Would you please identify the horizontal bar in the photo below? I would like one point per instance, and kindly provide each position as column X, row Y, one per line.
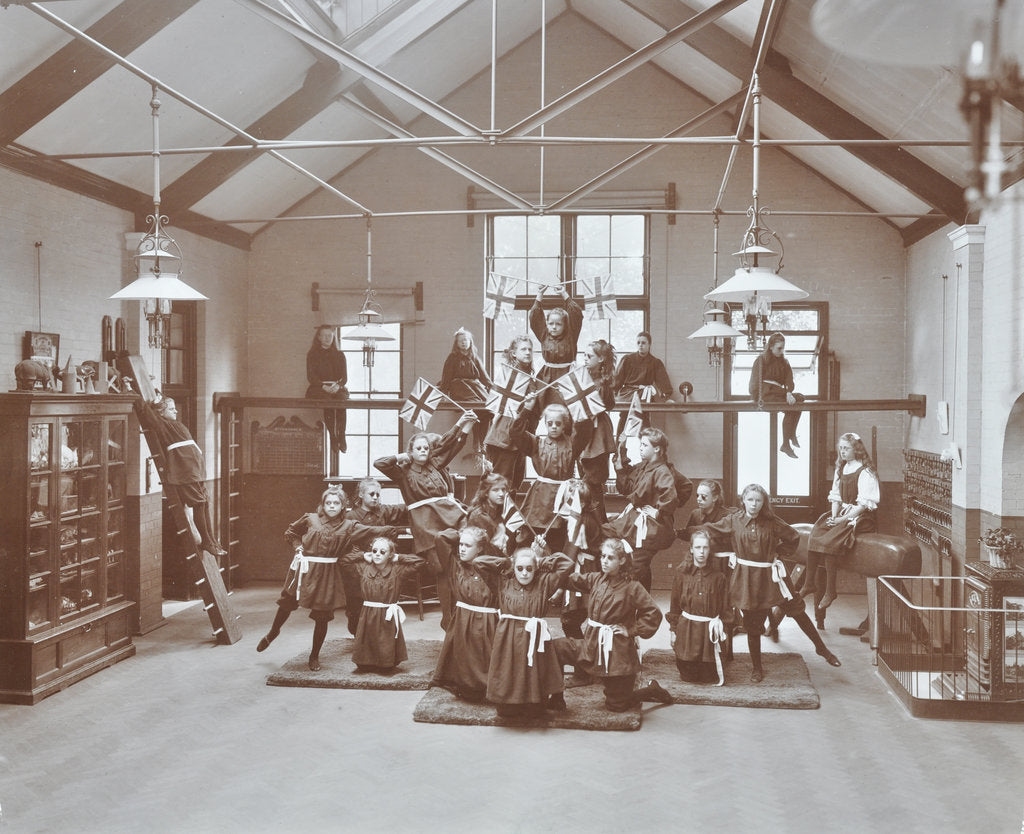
column 914, row 405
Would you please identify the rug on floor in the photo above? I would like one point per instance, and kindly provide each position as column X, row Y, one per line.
column 585, row 710
column 786, row 684
column 339, row 672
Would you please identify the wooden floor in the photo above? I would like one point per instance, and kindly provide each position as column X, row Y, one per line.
column 186, row 737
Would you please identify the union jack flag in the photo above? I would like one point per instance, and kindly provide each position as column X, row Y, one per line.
column 580, row 393
column 421, row 405
column 598, row 297
column 499, row 295
column 572, row 511
column 634, row 418
column 508, row 389
column 511, row 517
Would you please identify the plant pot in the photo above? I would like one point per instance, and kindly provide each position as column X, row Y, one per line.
column 999, row 558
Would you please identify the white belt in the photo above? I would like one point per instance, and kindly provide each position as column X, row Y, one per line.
column 433, row 500
column 773, row 382
column 560, row 495
column 559, row 364
column 778, row 572
column 537, row 628
column 181, row 443
column 717, row 635
column 300, row 564
column 395, row 613
column 605, row 639
column 480, row 609
column 642, row 514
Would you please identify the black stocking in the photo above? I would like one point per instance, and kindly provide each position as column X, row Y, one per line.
column 319, row 634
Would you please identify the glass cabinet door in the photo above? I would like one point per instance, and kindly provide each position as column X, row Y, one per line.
column 40, row 569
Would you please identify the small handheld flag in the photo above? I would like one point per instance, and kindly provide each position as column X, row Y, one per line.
column 421, row 404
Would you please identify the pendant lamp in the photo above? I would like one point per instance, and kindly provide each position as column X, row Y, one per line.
column 369, row 330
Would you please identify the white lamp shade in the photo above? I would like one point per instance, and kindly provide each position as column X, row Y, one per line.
column 716, row 327
column 758, row 280
column 149, row 285
column 368, row 332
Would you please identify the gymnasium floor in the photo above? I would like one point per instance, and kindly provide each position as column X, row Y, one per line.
column 186, row 737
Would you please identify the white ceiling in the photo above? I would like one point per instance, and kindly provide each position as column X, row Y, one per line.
column 227, row 68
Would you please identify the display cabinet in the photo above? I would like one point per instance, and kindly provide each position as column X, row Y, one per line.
column 995, row 604
column 63, row 608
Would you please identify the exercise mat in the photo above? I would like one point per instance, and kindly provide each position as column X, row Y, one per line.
column 339, row 672
column 786, row 684
column 585, row 710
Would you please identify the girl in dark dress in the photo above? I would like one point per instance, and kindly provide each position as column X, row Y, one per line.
column 314, row 577
column 505, row 456
column 474, row 575
column 710, row 508
column 327, row 374
column 487, row 508
column 379, row 643
column 428, row 491
column 654, row 489
column 760, row 540
column 558, row 332
column 854, row 497
column 696, row 614
column 597, row 434
column 464, row 379
column 619, row 610
column 771, row 381
column 525, row 674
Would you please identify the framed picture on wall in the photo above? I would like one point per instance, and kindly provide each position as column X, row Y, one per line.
column 43, row 347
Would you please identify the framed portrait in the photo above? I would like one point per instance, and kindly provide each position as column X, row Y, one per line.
column 43, row 347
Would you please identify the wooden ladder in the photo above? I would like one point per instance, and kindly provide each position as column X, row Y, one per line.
column 204, row 571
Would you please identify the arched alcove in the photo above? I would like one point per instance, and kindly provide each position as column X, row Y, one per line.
column 1012, row 503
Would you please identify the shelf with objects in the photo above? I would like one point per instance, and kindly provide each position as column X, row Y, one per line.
column 64, row 613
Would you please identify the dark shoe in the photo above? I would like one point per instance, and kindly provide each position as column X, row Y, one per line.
column 786, row 449
column 830, row 658
column 213, row 548
column 314, row 664
column 826, row 600
column 757, row 675
column 556, row 702
column 656, row 692
column 794, row 442
column 265, row 641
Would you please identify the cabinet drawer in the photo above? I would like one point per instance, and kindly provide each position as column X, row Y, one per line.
column 82, row 643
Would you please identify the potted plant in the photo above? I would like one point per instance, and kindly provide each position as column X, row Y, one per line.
column 1002, row 545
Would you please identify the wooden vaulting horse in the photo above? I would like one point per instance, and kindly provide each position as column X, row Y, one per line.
column 873, row 555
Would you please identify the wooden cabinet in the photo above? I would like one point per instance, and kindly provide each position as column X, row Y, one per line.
column 995, row 620
column 63, row 609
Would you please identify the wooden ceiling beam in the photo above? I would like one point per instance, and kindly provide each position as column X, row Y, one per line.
column 824, row 115
column 76, row 65
column 320, row 89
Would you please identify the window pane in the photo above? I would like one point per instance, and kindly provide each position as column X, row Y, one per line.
column 384, row 422
column 544, row 237
column 356, row 421
column 753, row 451
column 592, row 236
column 627, row 235
column 629, row 276
column 509, row 236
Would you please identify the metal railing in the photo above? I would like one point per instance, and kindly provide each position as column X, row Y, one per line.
column 938, row 642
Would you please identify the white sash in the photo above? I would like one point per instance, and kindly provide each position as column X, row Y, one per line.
column 480, row 609
column 537, row 628
column 395, row 612
column 778, row 572
column 605, row 639
column 181, row 443
column 300, row 564
column 642, row 514
column 716, row 632
column 426, row 501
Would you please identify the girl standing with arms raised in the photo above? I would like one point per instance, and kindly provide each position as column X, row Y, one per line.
column 558, row 332
column 760, row 540
column 464, row 380
column 654, row 489
column 428, row 489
